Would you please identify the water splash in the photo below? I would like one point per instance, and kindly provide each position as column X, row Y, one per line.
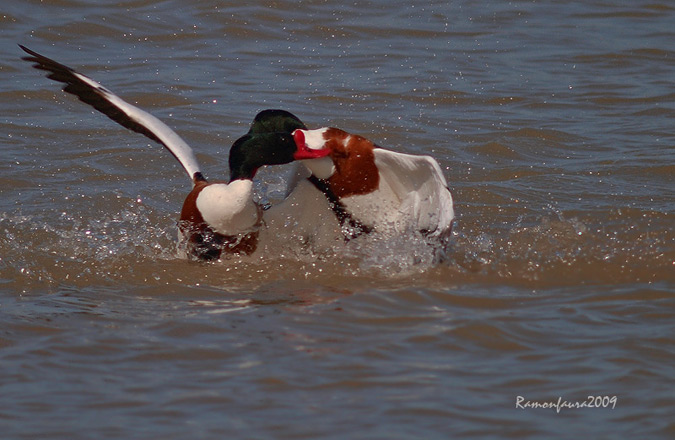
column 120, row 240
column 559, row 249
column 53, row 247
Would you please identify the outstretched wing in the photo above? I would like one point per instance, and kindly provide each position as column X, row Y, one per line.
column 419, row 184
column 120, row 111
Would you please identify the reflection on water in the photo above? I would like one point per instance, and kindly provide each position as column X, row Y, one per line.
column 552, row 123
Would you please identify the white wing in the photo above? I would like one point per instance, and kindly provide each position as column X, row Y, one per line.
column 120, row 111
column 419, row 184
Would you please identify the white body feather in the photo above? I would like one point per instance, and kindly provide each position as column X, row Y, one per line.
column 229, row 209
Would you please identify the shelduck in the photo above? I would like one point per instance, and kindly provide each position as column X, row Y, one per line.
column 365, row 189
column 216, row 217
column 370, row 188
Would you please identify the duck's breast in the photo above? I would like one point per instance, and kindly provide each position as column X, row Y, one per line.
column 229, row 209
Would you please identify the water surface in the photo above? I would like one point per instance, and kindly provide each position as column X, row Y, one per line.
column 553, row 123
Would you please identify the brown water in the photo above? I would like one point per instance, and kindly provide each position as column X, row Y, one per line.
column 552, row 120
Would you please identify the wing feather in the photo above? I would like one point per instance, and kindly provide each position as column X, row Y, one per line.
column 120, row 111
column 419, row 184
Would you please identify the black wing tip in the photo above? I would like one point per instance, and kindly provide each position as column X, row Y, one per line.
column 41, row 62
column 34, row 56
column 27, row 50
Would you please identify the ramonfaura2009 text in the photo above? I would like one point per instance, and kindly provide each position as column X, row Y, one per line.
column 559, row 404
